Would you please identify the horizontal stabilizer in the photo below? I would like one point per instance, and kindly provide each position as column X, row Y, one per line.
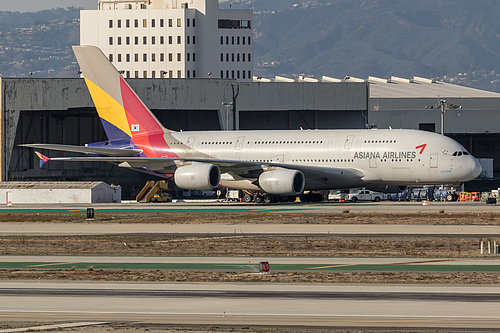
column 87, row 150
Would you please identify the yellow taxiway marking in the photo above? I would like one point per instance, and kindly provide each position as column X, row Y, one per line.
column 54, row 264
column 332, row 266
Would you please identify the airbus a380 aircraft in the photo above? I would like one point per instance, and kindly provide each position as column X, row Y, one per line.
column 281, row 163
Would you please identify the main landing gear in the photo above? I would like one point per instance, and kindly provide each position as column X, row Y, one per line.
column 267, row 198
column 311, row 197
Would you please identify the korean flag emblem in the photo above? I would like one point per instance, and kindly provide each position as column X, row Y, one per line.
column 135, row 127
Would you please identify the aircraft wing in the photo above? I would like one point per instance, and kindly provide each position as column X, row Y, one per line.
column 86, row 150
column 316, row 176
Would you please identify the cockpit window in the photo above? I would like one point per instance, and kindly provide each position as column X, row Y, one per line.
column 460, row 153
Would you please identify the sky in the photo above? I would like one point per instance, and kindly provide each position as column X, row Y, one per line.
column 35, row 5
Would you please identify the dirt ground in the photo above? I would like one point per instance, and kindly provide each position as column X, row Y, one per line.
column 251, row 245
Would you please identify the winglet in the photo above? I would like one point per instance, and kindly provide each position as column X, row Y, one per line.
column 43, row 159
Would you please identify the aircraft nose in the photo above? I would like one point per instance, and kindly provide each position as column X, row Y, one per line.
column 476, row 168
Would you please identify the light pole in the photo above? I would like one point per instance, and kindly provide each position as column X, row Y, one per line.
column 228, row 106
column 443, row 106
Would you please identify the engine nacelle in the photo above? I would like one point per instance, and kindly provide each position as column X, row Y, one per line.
column 387, row 188
column 197, row 177
column 282, row 182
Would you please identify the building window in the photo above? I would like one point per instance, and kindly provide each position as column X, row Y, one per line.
column 187, row 39
column 119, row 23
column 110, row 40
column 153, row 74
column 227, row 74
column 178, row 23
column 127, row 40
column 243, row 72
column 153, row 23
column 194, row 23
column 127, row 57
column 249, row 74
column 170, row 23
column 238, row 57
column 238, row 40
column 128, row 74
column 162, row 40
column 145, row 57
column 136, row 40
column 249, row 40
column 153, row 40
column 162, row 23
column 145, row 74
column 119, row 41
column 227, row 57
column 179, row 57
column 170, row 57
column 238, row 74
column 243, row 55
column 243, row 40
column 170, row 74
column 136, row 57
column 162, row 57
column 232, row 74
column 127, row 24
column 119, row 57
column 221, row 40
column 170, row 39
column 153, row 57
column 136, row 23
column 144, row 40
column 110, row 57
column 222, row 57
column 188, row 73
column 136, row 74
column 111, row 23
column 429, row 127
column 194, row 56
column 179, row 74
column 187, row 23
column 194, row 74
column 178, row 39
column 188, row 56
column 221, row 74
column 227, row 40
column 232, row 40
column 194, row 39
column 144, row 23
column 249, row 57
column 232, row 57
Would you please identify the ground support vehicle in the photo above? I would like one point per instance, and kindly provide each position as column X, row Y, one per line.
column 365, row 195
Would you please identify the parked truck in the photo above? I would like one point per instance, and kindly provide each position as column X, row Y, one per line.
column 365, row 195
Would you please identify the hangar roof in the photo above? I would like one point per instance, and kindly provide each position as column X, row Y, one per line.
column 423, row 88
column 50, row 185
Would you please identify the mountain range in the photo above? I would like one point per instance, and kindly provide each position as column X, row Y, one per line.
column 452, row 40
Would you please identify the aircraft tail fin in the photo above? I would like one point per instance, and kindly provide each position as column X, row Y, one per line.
column 123, row 114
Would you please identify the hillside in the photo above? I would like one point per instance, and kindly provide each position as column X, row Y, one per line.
column 430, row 38
column 452, row 40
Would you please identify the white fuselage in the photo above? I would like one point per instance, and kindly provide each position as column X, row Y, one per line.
column 385, row 157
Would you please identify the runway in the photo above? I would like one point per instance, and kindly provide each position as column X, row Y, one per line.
column 96, row 228
column 320, row 305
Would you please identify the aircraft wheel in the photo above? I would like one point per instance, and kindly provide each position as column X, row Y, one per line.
column 258, row 198
column 247, row 198
column 292, row 198
column 318, row 197
column 267, row 198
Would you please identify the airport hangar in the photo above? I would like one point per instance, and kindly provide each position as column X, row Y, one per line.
column 61, row 111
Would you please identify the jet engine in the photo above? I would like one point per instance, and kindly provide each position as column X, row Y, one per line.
column 387, row 188
column 282, row 182
column 197, row 177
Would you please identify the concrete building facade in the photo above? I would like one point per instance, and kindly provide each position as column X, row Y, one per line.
column 172, row 38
